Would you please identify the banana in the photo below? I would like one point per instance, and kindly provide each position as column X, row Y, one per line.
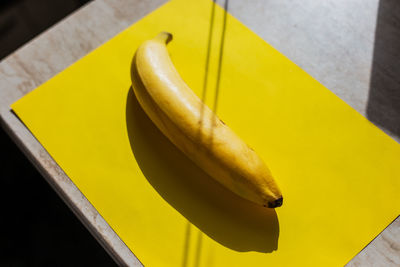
column 194, row 128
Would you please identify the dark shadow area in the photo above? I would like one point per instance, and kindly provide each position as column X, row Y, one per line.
column 208, row 55
column 221, row 56
column 207, row 67
column 186, row 245
column 203, row 98
column 37, row 228
column 383, row 106
column 222, row 215
column 221, row 53
column 199, row 247
column 22, row 20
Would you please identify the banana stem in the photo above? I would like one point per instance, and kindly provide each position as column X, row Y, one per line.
column 164, row 37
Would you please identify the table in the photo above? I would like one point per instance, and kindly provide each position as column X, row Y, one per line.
column 347, row 45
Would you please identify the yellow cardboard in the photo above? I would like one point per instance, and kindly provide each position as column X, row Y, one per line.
column 339, row 174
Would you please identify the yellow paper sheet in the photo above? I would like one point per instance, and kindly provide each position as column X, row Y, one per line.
column 339, row 174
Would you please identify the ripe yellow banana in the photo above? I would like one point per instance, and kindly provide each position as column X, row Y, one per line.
column 194, row 128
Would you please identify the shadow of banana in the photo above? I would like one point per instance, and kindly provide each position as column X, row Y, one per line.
column 222, row 215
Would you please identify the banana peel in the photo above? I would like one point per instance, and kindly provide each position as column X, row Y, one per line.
column 195, row 129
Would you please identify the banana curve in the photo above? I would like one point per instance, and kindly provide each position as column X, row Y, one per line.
column 191, row 126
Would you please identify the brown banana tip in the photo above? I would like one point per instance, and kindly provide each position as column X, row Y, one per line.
column 276, row 203
column 165, row 37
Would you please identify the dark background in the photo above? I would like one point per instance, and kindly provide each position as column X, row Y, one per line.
column 37, row 228
column 383, row 108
